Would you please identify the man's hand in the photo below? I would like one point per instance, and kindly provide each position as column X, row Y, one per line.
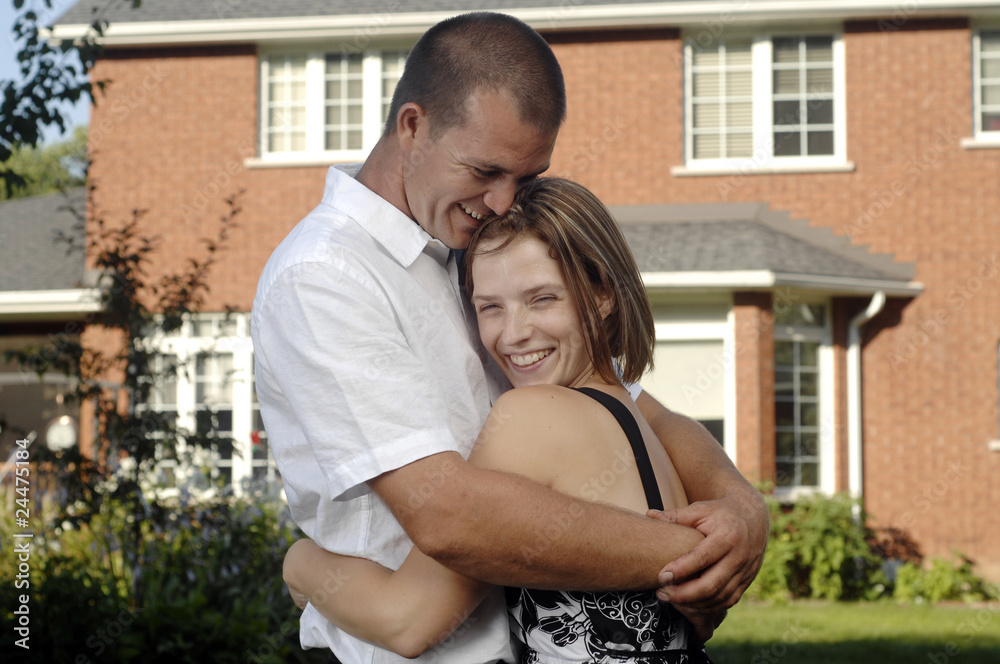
column 714, row 574
column 704, row 624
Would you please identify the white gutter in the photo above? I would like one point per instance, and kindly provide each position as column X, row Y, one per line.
column 564, row 17
column 34, row 305
column 855, row 456
column 766, row 279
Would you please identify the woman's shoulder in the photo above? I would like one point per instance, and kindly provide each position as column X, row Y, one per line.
column 530, row 426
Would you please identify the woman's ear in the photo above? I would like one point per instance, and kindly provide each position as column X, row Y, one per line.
column 605, row 302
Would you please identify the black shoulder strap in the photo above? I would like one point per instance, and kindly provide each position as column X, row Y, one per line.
column 631, row 429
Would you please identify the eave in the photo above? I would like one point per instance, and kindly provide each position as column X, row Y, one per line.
column 646, row 15
column 768, row 280
column 71, row 304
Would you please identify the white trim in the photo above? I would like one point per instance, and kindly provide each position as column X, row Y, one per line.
column 766, row 279
column 366, row 26
column 748, row 168
column 48, row 302
column 972, row 143
column 855, row 402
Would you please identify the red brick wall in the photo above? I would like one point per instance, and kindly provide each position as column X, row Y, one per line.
column 754, row 346
column 172, row 133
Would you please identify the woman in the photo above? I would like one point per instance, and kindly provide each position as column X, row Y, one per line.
column 559, row 302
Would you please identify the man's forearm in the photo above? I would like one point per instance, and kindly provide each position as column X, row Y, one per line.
column 507, row 530
column 705, row 469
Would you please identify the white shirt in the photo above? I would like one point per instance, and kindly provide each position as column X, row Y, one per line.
column 365, row 363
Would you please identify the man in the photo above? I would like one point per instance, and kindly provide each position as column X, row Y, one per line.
column 373, row 389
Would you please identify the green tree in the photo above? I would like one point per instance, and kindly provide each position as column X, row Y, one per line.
column 47, row 169
column 50, row 75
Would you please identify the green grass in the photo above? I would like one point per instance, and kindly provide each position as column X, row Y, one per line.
column 857, row 633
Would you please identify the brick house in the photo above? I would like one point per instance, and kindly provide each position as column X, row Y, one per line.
column 812, row 191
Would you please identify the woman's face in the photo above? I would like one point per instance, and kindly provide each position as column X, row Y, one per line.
column 527, row 318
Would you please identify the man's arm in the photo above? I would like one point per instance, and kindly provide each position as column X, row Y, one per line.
column 727, row 510
column 507, row 530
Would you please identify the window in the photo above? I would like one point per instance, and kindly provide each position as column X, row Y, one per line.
column 764, row 101
column 803, row 443
column 325, row 105
column 211, row 392
column 986, row 70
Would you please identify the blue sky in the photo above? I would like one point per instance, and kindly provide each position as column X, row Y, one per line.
column 76, row 115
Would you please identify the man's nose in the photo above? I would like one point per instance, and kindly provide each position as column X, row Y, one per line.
column 500, row 196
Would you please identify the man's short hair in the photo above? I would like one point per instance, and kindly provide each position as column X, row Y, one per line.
column 481, row 51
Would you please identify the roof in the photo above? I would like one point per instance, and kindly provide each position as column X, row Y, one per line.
column 736, row 245
column 30, row 257
column 201, row 21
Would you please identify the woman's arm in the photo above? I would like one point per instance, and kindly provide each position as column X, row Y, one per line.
column 407, row 611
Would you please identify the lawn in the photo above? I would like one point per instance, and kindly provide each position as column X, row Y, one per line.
column 857, row 633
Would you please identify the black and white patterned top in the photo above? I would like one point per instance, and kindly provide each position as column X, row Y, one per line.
column 562, row 627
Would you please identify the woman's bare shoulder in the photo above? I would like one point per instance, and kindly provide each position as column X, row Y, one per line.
column 531, row 429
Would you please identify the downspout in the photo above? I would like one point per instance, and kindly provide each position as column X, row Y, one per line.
column 855, row 458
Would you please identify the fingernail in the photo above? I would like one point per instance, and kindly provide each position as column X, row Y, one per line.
column 666, row 578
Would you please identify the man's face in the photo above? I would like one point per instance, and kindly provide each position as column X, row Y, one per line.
column 453, row 182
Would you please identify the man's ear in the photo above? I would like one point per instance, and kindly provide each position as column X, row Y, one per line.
column 411, row 125
column 605, row 302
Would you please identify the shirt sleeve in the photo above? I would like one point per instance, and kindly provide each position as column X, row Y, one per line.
column 354, row 387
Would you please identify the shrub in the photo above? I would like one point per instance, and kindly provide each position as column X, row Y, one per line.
column 818, row 550
column 944, row 580
column 209, row 588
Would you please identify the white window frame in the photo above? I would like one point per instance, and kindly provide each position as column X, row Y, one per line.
column 979, row 134
column 762, row 157
column 827, row 412
column 186, row 348
column 315, row 139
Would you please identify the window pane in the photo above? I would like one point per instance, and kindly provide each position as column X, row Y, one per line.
column 819, row 111
column 298, row 116
column 276, row 143
column 786, row 81
column 784, row 353
column 991, row 94
column 707, row 146
column 297, row 66
column 706, row 84
column 354, row 140
column 354, row 88
column 739, row 83
column 737, row 53
column 809, row 354
column 333, row 141
column 705, row 57
column 819, row 80
column 991, row 68
column 334, row 90
column 707, row 115
column 276, row 92
column 786, row 113
column 786, row 49
column 298, row 140
column 334, row 115
column 810, row 445
column 787, row 144
column 785, row 444
column 989, row 42
column 354, row 115
column 991, row 121
column 784, row 383
column 808, row 384
column 820, row 142
column 298, row 91
column 819, row 49
column 809, row 474
column 739, row 145
column 784, row 413
column 808, row 415
column 785, row 473
column 739, row 115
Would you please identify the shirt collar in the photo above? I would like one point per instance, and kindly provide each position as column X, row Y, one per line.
column 402, row 237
